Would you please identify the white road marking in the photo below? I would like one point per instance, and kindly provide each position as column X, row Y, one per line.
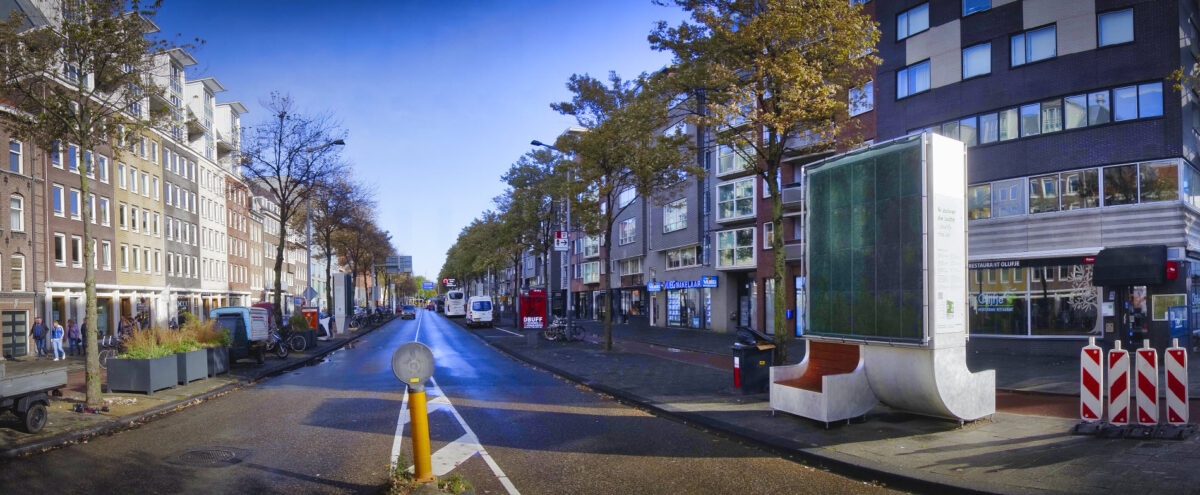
column 454, row 453
column 508, row 331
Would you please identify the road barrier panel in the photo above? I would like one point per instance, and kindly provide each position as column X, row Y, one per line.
column 1177, row 384
column 737, row 372
column 1118, row 385
column 1091, row 373
column 1147, row 385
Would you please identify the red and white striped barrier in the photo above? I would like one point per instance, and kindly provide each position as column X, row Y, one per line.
column 1118, row 385
column 737, row 372
column 1147, row 385
column 1177, row 384
column 1091, row 394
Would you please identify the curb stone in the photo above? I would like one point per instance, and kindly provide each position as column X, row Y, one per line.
column 115, row 425
column 841, row 464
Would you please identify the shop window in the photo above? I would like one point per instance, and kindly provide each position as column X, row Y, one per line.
column 1080, row 189
column 997, row 308
column 979, row 201
column 1043, row 193
column 1065, row 304
column 1159, row 181
column 1120, row 185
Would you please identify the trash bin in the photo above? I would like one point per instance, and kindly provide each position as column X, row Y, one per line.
column 752, row 357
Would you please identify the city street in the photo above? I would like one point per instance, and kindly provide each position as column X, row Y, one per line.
column 331, row 428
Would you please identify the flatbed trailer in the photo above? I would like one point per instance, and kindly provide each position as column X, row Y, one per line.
column 27, row 395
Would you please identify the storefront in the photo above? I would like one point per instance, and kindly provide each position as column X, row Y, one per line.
column 1045, row 297
column 689, row 302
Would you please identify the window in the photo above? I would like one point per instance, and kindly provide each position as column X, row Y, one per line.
column 104, row 217
column 977, row 60
column 156, row 224
column 735, row 199
column 1052, row 120
column 136, row 255
column 631, row 266
column 16, row 213
column 74, row 204
column 768, row 235
column 106, row 254
column 16, row 277
column 1035, row 45
column 628, row 231
column 979, row 201
column 950, row 130
column 56, row 155
column 1125, row 103
column 1115, row 27
column 1159, row 181
column 1080, row 189
column 1008, row 124
column 988, row 128
column 1043, row 193
column 121, row 175
column 154, row 186
column 1075, row 111
column 623, row 199
column 1099, row 108
column 124, row 258
column 57, row 193
column 731, row 160
column 1150, row 102
column 972, row 6
column 862, row 100
column 683, row 257
column 735, row 248
column 133, row 218
column 675, row 216
column 14, row 156
column 145, row 184
column 73, row 158
column 912, row 80
column 912, row 21
column 1120, row 185
column 1030, row 122
column 968, row 131
column 76, row 251
column 60, row 250
column 133, row 180
column 102, row 168
column 1008, row 198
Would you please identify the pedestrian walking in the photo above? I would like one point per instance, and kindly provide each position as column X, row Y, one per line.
column 124, row 327
column 74, row 339
column 56, row 338
column 39, row 336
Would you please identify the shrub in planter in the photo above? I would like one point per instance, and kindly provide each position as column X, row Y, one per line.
column 215, row 341
column 300, row 326
column 146, row 365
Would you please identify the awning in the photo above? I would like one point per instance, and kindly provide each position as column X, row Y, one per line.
column 1134, row 265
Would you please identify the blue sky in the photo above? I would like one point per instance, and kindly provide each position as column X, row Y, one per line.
column 439, row 98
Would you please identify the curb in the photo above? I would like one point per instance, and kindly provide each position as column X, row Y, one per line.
column 839, row 464
column 115, row 425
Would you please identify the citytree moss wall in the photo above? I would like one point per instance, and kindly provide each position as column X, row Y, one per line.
column 865, row 248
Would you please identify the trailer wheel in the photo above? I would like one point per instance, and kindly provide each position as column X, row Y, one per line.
column 34, row 418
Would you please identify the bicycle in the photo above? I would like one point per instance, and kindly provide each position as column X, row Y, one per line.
column 293, row 340
column 276, row 344
column 559, row 331
column 110, row 347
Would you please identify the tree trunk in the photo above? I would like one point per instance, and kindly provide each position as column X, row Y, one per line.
column 780, row 302
column 606, row 280
column 278, row 311
column 329, row 273
column 91, row 349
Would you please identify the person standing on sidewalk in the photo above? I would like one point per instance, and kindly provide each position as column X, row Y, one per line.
column 73, row 338
column 56, row 338
column 39, row 336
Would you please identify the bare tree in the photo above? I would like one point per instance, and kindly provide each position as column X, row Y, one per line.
column 331, row 207
column 278, row 158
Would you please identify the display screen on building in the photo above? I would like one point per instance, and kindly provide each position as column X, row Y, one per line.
column 866, row 253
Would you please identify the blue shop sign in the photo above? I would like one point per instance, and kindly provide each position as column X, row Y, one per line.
column 709, row 281
column 653, row 287
column 704, row 282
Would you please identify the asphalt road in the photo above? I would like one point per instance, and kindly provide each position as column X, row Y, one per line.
column 331, row 428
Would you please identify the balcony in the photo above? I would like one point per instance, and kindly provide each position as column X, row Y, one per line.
column 793, row 196
column 793, row 252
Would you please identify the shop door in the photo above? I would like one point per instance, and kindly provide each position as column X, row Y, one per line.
column 58, row 310
column 1133, row 317
column 13, row 334
column 103, row 311
column 654, row 310
column 126, row 309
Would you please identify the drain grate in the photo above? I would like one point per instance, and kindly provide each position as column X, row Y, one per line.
column 210, row 457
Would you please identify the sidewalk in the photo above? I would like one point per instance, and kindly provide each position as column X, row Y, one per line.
column 1015, row 451
column 64, row 426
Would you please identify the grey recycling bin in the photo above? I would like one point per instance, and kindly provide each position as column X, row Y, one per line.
column 752, row 353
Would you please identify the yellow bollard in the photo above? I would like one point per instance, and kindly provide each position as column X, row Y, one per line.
column 419, row 419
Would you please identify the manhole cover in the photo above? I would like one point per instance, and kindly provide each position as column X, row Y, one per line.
column 211, row 457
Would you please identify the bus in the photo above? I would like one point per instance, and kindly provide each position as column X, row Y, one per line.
column 456, row 303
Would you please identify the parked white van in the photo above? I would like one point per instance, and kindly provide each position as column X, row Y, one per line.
column 479, row 311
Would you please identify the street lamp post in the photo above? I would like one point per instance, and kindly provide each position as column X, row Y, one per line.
column 308, row 216
column 565, row 283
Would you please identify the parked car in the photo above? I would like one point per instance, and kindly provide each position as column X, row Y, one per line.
column 408, row 312
column 479, row 311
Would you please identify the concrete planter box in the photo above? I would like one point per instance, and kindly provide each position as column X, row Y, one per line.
column 218, row 360
column 143, row 375
column 310, row 338
column 192, row 366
